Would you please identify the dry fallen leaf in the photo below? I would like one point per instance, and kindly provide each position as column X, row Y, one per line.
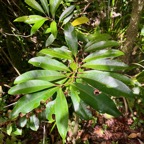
column 134, row 135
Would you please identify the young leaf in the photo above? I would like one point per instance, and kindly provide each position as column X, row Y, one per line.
column 79, row 106
column 50, row 110
column 62, row 53
column 45, row 6
column 101, row 45
column 50, row 40
column 54, row 4
column 31, row 101
column 80, row 20
column 101, row 102
column 31, row 19
column 30, row 87
column 71, row 38
column 34, row 123
column 35, row 5
column 48, row 63
column 48, row 30
column 53, row 27
column 66, row 12
column 106, row 83
column 36, row 26
column 103, row 54
column 47, row 75
column 61, row 113
column 105, row 64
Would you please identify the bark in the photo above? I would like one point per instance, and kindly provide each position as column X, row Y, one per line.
column 132, row 31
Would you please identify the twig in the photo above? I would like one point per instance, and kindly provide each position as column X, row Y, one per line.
column 16, row 35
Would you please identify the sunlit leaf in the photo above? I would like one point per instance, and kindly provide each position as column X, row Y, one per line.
column 34, row 123
column 36, row 26
column 80, row 20
column 54, row 4
column 35, row 5
column 62, row 53
column 66, row 12
column 79, row 106
column 50, row 40
column 101, row 45
column 31, row 19
column 71, row 38
column 61, row 113
column 67, row 19
column 23, row 121
column 31, row 101
column 47, row 75
column 101, row 102
column 45, row 6
column 105, row 64
column 30, row 87
column 17, row 131
column 106, row 83
column 53, row 27
column 48, row 63
column 103, row 54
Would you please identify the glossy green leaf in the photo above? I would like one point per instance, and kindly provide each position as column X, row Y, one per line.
column 101, row 45
column 34, row 123
column 82, row 36
column 106, row 84
column 47, row 75
column 101, row 102
column 53, row 27
column 54, row 4
column 36, row 26
column 67, row 19
column 79, row 106
column 50, row 40
column 23, row 121
column 105, row 64
column 140, row 77
column 31, row 19
column 66, row 12
column 35, row 5
column 45, row 6
column 48, row 63
column 30, row 87
column 103, row 54
column 17, row 131
column 98, row 36
column 71, row 38
column 61, row 113
column 31, row 101
column 48, row 30
column 62, row 53
column 50, row 111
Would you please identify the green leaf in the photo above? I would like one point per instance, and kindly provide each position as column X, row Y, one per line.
column 35, row 5
column 23, row 121
column 34, row 123
column 30, row 87
column 67, row 19
column 50, row 110
column 62, row 53
column 45, row 6
column 79, row 106
column 53, row 27
column 31, row 19
column 36, row 26
column 54, row 4
column 31, row 101
column 106, row 84
column 71, row 38
column 101, row 45
column 105, row 64
column 47, row 75
column 140, row 77
column 98, row 36
column 103, row 54
column 61, row 113
column 66, row 12
column 50, row 40
column 9, row 129
column 48, row 30
column 48, row 63
column 101, row 102
column 17, row 131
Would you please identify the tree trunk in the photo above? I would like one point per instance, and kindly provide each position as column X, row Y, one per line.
column 132, row 31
